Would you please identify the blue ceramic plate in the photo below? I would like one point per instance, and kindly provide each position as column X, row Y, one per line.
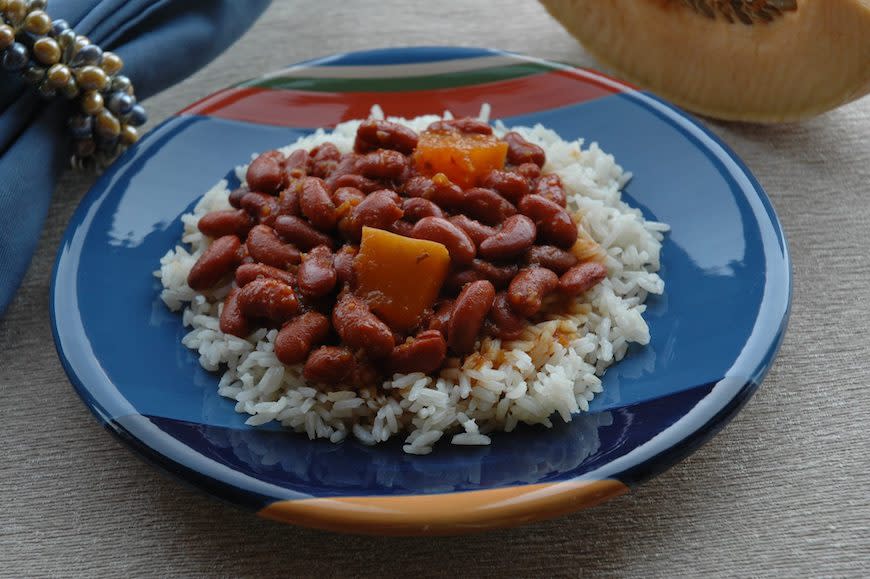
column 715, row 331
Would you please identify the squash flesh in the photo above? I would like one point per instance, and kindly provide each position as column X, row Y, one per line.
column 399, row 277
column 464, row 158
column 801, row 63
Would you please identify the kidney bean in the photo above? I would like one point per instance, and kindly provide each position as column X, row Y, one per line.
column 527, row 290
column 440, row 319
column 345, row 199
column 248, row 272
column 357, row 182
column 550, row 187
column 458, row 243
column 419, row 186
column 268, row 298
column 499, row 275
column 486, row 206
column 316, row 275
column 581, row 278
column 343, row 264
column 521, row 151
column 463, row 125
column 288, row 200
column 298, row 336
column 416, row 208
column 444, row 193
column 359, row 328
column 382, row 164
column 425, row 352
column 459, row 278
column 232, row 320
column 266, row 173
column 316, row 204
column 219, row 259
column 330, row 365
column 323, row 159
column 553, row 222
column 469, row 312
column 505, row 324
column 235, row 197
column 476, row 230
column 219, row 223
column 262, row 207
column 297, row 231
column 372, row 135
column 528, row 170
column 551, row 257
column 511, row 186
column 344, row 195
column 403, row 228
column 379, row 210
column 296, row 165
column 345, row 166
column 516, row 235
column 264, row 246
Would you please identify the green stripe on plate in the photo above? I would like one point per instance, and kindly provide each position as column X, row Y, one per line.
column 403, row 84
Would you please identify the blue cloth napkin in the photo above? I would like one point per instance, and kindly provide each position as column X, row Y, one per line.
column 160, row 41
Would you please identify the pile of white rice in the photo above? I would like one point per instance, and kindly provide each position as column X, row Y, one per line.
column 554, row 368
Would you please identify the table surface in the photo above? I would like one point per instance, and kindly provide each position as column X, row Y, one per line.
column 781, row 491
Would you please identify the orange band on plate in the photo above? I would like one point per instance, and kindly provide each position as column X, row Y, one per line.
column 444, row 514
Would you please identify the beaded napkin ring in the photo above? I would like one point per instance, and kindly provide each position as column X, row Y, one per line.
column 57, row 61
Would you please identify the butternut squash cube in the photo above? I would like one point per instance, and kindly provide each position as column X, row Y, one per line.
column 464, row 158
column 399, row 277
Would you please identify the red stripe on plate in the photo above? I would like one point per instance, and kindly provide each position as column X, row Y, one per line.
column 294, row 108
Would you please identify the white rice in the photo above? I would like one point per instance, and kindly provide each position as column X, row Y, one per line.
column 554, row 369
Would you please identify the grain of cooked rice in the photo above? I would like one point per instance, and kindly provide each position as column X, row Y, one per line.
column 529, row 380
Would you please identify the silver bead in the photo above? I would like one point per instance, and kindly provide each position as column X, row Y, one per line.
column 15, row 57
column 87, row 55
column 121, row 103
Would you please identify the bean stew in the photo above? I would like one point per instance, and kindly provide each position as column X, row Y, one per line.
column 397, row 255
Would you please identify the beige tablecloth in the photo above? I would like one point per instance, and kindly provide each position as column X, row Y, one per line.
column 781, row 491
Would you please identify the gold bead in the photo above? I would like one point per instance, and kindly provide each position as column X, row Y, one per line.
column 59, row 75
column 111, row 63
column 71, row 89
column 81, row 42
column 91, row 78
column 92, row 102
column 15, row 10
column 7, row 36
column 46, row 50
column 37, row 22
column 129, row 135
column 107, row 124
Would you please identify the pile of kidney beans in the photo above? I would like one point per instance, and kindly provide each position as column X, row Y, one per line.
column 291, row 240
